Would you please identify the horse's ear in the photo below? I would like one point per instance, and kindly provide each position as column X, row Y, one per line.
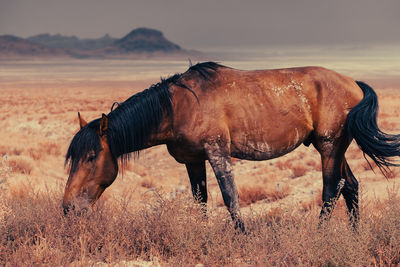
column 82, row 122
column 103, row 125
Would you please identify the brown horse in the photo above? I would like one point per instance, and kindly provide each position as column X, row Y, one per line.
column 212, row 112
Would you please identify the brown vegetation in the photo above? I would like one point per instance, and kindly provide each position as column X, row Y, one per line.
column 249, row 195
column 148, row 183
column 314, row 202
column 20, row 164
column 34, row 231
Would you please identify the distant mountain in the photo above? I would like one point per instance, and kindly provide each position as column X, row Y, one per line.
column 139, row 43
column 72, row 42
column 12, row 46
column 143, row 40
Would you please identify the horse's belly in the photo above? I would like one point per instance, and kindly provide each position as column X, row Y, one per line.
column 263, row 147
column 259, row 150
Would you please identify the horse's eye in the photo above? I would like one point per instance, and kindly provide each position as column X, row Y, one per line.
column 91, row 157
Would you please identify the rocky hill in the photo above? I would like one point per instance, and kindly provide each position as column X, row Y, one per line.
column 141, row 42
column 72, row 42
column 12, row 46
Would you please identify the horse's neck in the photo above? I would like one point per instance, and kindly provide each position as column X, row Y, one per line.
column 161, row 135
column 130, row 132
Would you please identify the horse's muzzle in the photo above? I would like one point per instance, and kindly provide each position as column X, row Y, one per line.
column 77, row 211
column 67, row 208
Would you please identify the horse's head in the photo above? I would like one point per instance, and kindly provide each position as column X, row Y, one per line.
column 92, row 166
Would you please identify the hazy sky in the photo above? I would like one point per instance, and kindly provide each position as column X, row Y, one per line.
column 208, row 23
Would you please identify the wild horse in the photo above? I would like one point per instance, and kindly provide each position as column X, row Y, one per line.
column 212, row 112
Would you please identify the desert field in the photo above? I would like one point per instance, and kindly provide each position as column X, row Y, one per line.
column 147, row 215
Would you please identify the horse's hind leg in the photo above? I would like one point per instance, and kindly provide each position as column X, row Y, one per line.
column 350, row 194
column 332, row 156
column 337, row 177
column 219, row 158
column 197, row 176
column 331, row 186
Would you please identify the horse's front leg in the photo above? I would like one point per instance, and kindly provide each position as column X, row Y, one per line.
column 220, row 160
column 198, row 182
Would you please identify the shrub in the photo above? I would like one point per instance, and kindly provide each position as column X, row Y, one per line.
column 147, row 183
column 252, row 194
column 5, row 171
column 21, row 164
column 34, row 231
column 299, row 170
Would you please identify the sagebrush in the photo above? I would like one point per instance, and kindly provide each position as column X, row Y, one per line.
column 34, row 231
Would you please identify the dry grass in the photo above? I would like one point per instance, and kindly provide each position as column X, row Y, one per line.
column 278, row 192
column 21, row 164
column 5, row 171
column 34, row 231
column 252, row 194
column 394, row 173
column 299, row 170
column 299, row 167
column 314, row 202
column 147, row 183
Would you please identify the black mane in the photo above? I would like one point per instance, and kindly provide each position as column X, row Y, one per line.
column 84, row 141
column 132, row 121
column 206, row 70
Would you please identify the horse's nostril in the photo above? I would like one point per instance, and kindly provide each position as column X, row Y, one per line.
column 76, row 210
column 66, row 210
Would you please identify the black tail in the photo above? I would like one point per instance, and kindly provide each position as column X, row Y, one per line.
column 361, row 125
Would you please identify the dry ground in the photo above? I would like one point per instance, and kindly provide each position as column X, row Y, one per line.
column 38, row 118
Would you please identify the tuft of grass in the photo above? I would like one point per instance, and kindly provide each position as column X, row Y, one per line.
column 394, row 173
column 51, row 148
column 252, row 194
column 21, row 164
column 45, row 149
column 147, row 183
column 314, row 164
column 8, row 150
column 278, row 192
column 5, row 171
column 387, row 125
column 314, row 202
column 299, row 170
